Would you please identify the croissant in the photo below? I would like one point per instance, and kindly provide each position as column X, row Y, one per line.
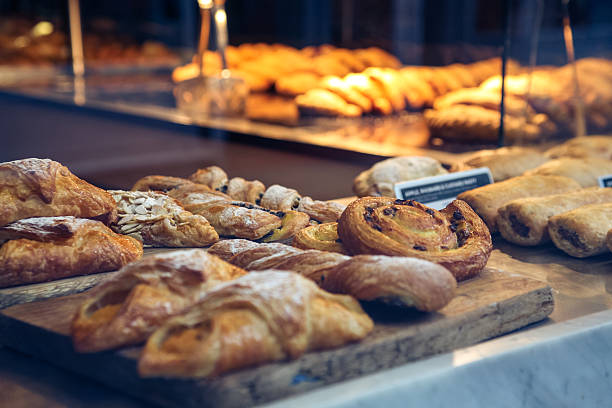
column 45, row 188
column 455, row 237
column 132, row 304
column 323, row 237
column 49, row 248
column 396, row 280
column 158, row 220
column 258, row 318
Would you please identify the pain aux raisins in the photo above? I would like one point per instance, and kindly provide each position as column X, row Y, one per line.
column 458, row 216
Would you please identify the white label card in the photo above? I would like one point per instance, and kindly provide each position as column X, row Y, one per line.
column 605, row 181
column 438, row 191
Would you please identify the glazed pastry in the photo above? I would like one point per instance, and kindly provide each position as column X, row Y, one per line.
column 372, row 90
column 399, row 281
column 49, row 248
column 125, row 309
column 586, row 146
column 524, row 221
column 487, row 200
column 504, row 163
column 258, row 318
column 455, row 237
column 323, row 237
column 158, row 220
column 585, row 172
column 379, row 180
column 390, row 84
column 212, row 176
column 346, row 92
column 45, row 188
column 324, row 102
column 582, row 232
column 159, row 183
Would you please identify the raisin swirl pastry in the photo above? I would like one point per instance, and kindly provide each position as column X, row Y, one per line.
column 455, row 237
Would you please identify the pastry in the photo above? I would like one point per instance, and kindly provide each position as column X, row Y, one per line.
column 125, row 309
column 321, row 211
column 212, row 176
column 487, row 200
column 346, row 92
column 372, row 90
column 280, row 198
column 323, row 237
column 377, row 57
column 389, row 82
column 524, row 221
column 258, row 318
column 609, row 240
column 585, row 172
column 455, row 237
column 582, row 232
column 297, row 83
column 586, row 146
column 45, row 188
column 272, row 108
column 504, row 163
column 380, row 179
column 49, row 248
column 486, row 98
column 158, row 220
column 324, row 102
column 244, row 190
column 398, row 281
column 159, row 183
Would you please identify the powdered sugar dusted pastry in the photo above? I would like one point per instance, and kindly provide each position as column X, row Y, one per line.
column 487, row 200
column 504, row 163
column 380, row 179
column 158, row 220
column 280, row 198
column 45, row 188
column 212, row 176
column 48, row 248
column 243, row 190
column 258, row 318
column 125, row 309
column 525, row 221
column 322, row 211
column 585, row 172
column 582, row 232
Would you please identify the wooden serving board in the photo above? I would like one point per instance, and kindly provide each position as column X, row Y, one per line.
column 492, row 304
column 46, row 290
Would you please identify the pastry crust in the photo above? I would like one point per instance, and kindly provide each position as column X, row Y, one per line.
column 586, row 146
column 160, row 183
column 323, row 237
column 585, row 172
column 132, row 304
column 324, row 102
column 49, row 248
column 346, row 92
column 258, row 318
column 379, row 180
column 321, row 211
column 399, row 281
column 45, row 188
column 487, row 200
column 524, row 221
column 280, row 198
column 243, row 190
column 609, row 240
column 455, row 237
column 504, row 163
column 211, row 176
column 582, row 232
column 158, row 220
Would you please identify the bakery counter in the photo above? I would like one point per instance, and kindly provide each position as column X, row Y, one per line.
column 561, row 361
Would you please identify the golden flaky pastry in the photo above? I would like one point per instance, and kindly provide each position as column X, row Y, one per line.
column 504, row 163
column 132, row 304
column 49, row 248
column 45, row 188
column 455, row 237
column 258, row 318
column 323, row 237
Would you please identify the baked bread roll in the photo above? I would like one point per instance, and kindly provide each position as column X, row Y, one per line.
column 525, row 221
column 125, row 309
column 395, row 280
column 160, row 183
column 379, row 180
column 585, row 146
column 324, row 102
column 49, row 248
column 504, row 163
column 158, row 220
column 45, row 188
column 487, row 200
column 585, row 172
column 323, row 237
column 455, row 237
column 582, row 232
column 258, row 318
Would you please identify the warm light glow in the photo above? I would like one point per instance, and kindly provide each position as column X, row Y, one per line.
column 41, row 29
column 220, row 17
column 205, row 4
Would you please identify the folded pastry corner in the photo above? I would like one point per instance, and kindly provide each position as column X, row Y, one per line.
column 455, row 237
column 323, row 237
column 258, row 318
column 45, row 188
column 125, row 309
column 49, row 248
column 158, row 220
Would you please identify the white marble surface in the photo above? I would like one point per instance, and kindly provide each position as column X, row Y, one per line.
column 567, row 364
